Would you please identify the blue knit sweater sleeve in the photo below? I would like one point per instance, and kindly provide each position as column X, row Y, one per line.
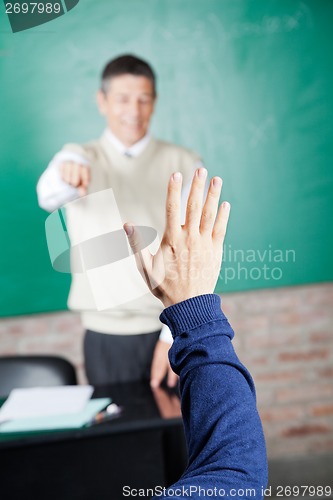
column 227, row 453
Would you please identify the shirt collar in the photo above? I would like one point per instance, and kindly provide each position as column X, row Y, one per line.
column 134, row 150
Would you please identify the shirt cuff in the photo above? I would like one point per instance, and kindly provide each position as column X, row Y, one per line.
column 52, row 191
column 192, row 313
column 166, row 335
column 65, row 155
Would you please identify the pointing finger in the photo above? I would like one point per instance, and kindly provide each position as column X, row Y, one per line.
column 85, row 175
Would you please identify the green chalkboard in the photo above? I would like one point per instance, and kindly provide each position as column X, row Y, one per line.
column 246, row 83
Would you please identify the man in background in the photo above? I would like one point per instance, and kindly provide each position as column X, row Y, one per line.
column 125, row 343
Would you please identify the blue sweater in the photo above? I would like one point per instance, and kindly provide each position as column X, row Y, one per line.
column 227, row 453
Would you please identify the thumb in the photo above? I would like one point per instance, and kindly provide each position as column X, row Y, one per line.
column 142, row 256
column 133, row 237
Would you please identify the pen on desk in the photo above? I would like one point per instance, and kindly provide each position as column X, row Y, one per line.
column 112, row 411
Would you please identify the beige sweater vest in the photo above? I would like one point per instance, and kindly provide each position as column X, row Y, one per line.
column 140, row 186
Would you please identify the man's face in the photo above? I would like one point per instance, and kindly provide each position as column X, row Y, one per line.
column 128, row 106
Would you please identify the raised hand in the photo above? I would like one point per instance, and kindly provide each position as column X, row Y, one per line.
column 189, row 258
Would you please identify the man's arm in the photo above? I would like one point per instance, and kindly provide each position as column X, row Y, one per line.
column 223, row 430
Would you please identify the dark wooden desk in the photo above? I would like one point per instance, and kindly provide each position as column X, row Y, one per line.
column 143, row 448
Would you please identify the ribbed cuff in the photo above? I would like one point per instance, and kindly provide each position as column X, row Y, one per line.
column 191, row 313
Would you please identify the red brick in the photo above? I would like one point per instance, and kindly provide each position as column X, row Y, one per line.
column 271, row 300
column 51, row 346
column 326, row 372
column 307, row 392
column 318, row 294
column 322, row 410
column 273, row 339
column 306, row 430
column 16, row 329
column 279, row 376
column 229, row 305
column 8, row 352
column 321, row 446
column 304, row 355
column 264, row 397
column 259, row 360
column 67, row 324
column 279, row 414
column 287, row 318
column 249, row 323
column 37, row 327
column 315, row 313
column 321, row 336
column 277, row 448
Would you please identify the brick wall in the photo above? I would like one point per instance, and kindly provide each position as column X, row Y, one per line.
column 55, row 333
column 284, row 336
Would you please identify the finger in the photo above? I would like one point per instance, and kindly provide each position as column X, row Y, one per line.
column 172, row 378
column 75, row 175
column 194, row 202
column 221, row 223
column 84, row 176
column 82, row 191
column 65, row 172
column 133, row 237
column 173, row 204
column 209, row 210
column 143, row 257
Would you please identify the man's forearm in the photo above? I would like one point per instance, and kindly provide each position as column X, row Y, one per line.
column 222, row 426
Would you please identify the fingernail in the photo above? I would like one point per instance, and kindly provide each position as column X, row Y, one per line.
column 202, row 172
column 177, row 176
column 217, row 181
column 226, row 205
column 128, row 230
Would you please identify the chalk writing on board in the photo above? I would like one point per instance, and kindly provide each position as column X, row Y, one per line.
column 268, row 25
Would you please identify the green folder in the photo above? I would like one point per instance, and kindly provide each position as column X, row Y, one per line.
column 58, row 422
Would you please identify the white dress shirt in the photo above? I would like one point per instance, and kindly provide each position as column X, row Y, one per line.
column 53, row 192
